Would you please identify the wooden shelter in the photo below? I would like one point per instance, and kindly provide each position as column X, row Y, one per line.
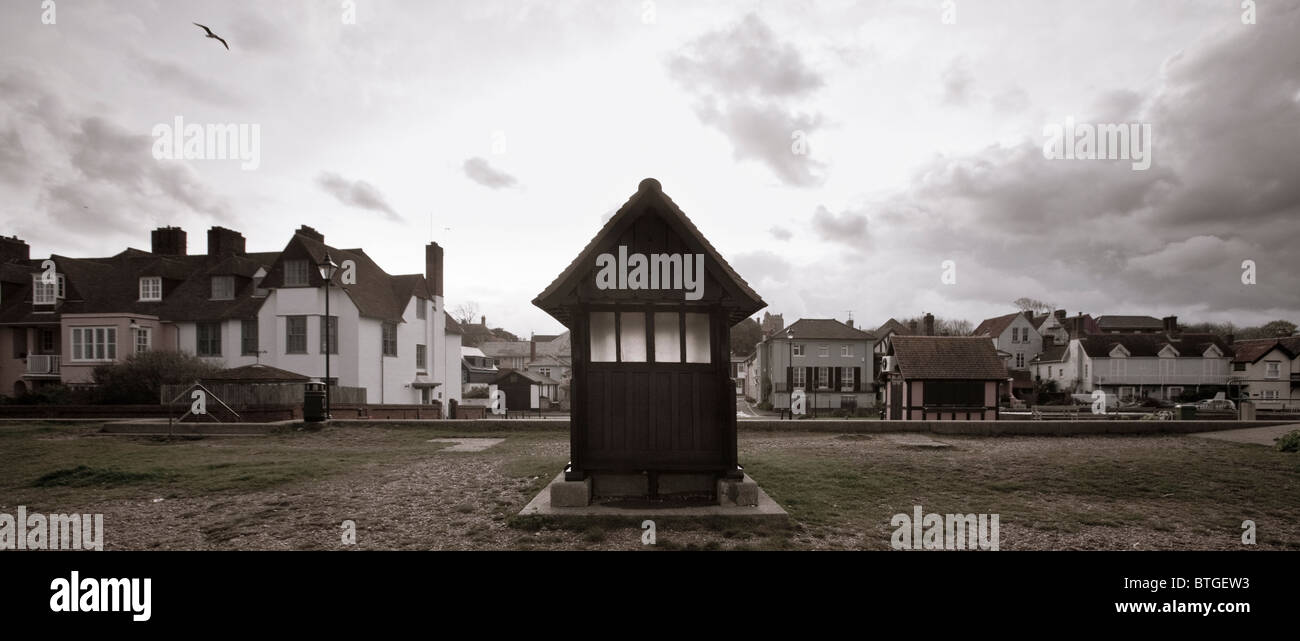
column 650, row 304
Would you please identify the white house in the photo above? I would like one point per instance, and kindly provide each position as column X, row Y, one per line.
column 1141, row 365
column 1014, row 336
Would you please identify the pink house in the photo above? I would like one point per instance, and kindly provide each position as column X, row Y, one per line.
column 942, row 378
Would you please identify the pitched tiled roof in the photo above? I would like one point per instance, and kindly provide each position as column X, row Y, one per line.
column 649, row 193
column 1110, row 323
column 825, row 328
column 1053, row 354
column 948, row 357
column 1187, row 345
column 256, row 373
column 532, row 376
column 897, row 327
column 452, row 326
column 1250, row 351
column 993, row 327
column 505, row 349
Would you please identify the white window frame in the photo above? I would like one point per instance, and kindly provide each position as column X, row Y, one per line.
column 221, row 279
column 142, row 346
column 846, row 350
column 1271, row 395
column 797, row 349
column 41, row 290
column 1272, row 369
column 846, row 379
column 290, row 279
column 798, row 378
column 102, row 344
column 421, row 358
column 823, row 378
column 150, row 288
column 823, row 351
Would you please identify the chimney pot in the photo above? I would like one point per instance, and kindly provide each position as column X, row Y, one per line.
column 168, row 241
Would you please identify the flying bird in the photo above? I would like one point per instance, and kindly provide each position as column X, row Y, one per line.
column 212, row 35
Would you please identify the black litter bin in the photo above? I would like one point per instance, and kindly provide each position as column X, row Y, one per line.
column 313, row 403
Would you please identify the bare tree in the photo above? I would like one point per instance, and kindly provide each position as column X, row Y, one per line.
column 1026, row 304
column 466, row 313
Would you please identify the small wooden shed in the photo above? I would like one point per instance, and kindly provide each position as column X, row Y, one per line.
column 650, row 304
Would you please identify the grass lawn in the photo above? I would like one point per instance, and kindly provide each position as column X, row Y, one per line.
column 292, row 490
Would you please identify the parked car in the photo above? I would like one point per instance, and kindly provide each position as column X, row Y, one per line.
column 1219, row 402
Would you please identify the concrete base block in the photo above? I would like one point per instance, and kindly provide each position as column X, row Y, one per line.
column 635, row 511
column 570, row 493
column 670, row 484
column 619, row 484
column 743, row 492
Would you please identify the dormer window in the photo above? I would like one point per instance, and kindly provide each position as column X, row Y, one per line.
column 44, row 293
column 151, row 288
column 223, row 287
column 296, row 272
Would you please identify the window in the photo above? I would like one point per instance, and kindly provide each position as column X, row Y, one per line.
column 1238, row 367
column 823, row 377
column 151, row 288
column 420, row 311
column 1061, row 371
column 1272, row 369
column 668, row 337
column 846, row 350
column 799, row 377
column 823, row 350
column 1174, row 393
column 697, row 338
column 421, row 358
column 798, row 349
column 295, row 335
column 223, row 287
column 604, row 343
column 1015, row 334
column 208, row 339
column 544, row 371
column 143, row 340
column 329, row 331
column 1271, row 394
column 248, row 337
column 46, row 344
column 954, row 393
column 1020, row 359
column 846, row 379
column 94, row 343
column 1126, row 393
column 631, row 339
column 296, row 272
column 389, row 338
column 44, row 293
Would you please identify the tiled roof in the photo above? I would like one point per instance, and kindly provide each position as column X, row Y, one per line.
column 256, row 373
column 532, row 376
column 1053, row 354
column 505, row 349
column 895, row 326
column 993, row 327
column 825, row 328
column 1187, row 345
column 948, row 357
column 452, row 326
column 1250, row 351
column 649, row 195
column 1110, row 323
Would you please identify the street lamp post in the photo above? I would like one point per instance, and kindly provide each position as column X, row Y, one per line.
column 327, row 271
column 789, row 359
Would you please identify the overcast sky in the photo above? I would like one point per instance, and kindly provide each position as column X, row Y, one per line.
column 508, row 131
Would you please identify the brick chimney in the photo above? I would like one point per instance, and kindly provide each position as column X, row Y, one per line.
column 433, row 267
column 1059, row 314
column 311, row 233
column 225, row 242
column 483, row 319
column 532, row 348
column 1029, row 315
column 14, row 249
column 168, row 241
column 1228, row 339
column 929, row 324
column 1048, row 341
column 1171, row 325
column 849, row 322
column 911, row 325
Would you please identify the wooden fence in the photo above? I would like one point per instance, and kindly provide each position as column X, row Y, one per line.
column 246, row 394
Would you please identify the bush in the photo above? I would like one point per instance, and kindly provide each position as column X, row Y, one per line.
column 476, row 392
column 139, row 378
column 52, row 395
column 1289, row 442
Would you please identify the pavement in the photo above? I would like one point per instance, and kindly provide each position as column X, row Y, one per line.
column 467, row 444
column 1252, row 435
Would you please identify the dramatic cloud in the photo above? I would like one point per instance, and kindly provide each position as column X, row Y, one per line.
column 483, row 173
column 356, row 193
column 846, row 227
column 744, row 80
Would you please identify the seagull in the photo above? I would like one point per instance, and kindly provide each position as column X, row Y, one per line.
column 212, row 35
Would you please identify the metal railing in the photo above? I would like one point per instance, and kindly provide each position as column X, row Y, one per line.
column 42, row 363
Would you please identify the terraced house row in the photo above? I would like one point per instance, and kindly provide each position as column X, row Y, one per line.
column 60, row 317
